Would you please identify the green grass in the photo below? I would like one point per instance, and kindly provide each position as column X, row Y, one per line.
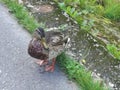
column 112, row 9
column 78, row 73
column 114, row 51
column 22, row 15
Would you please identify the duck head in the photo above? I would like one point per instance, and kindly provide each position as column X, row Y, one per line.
column 40, row 31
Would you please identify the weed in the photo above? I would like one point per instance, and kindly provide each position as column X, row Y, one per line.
column 114, row 51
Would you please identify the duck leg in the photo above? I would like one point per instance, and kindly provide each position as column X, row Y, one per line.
column 42, row 62
column 51, row 67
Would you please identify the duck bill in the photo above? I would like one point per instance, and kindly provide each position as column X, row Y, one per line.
column 44, row 43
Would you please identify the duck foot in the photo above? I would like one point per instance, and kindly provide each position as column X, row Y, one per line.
column 51, row 67
column 42, row 62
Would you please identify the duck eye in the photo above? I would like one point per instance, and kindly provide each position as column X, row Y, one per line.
column 38, row 32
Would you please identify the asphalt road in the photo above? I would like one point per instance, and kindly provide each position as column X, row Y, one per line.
column 17, row 69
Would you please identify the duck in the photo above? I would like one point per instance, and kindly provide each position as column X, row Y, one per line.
column 46, row 46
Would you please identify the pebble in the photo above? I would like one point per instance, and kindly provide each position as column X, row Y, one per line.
column 95, row 70
column 94, row 40
column 111, row 85
column 30, row 6
column 79, row 51
column 96, row 45
column 56, row 18
column 100, row 53
column 73, row 48
column 0, row 71
column 80, row 54
column 98, row 74
column 52, row 3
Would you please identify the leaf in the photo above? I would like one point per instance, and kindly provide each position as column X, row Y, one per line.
column 62, row 5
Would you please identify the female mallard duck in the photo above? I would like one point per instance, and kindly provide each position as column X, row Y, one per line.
column 46, row 46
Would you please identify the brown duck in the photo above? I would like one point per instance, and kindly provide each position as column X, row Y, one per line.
column 46, row 46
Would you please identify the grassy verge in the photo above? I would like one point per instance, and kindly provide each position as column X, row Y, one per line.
column 112, row 9
column 22, row 15
column 89, row 16
column 77, row 72
column 72, row 68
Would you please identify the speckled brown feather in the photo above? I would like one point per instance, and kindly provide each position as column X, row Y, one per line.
column 54, row 40
column 36, row 50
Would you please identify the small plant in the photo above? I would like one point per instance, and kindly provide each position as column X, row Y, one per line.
column 114, row 51
column 71, row 11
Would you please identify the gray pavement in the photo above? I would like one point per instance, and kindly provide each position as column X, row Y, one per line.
column 17, row 69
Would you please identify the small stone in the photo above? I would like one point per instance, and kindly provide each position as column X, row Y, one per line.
column 94, row 40
column 55, row 28
column 56, row 18
column 80, row 54
column 69, row 45
column 73, row 48
column 111, row 85
column 65, row 14
column 30, row 6
column 52, row 3
column 68, row 20
column 98, row 74
column 96, row 45
column 100, row 53
column 87, row 34
column 79, row 51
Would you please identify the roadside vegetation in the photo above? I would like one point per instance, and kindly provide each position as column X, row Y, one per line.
column 77, row 73
column 22, row 14
column 94, row 16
